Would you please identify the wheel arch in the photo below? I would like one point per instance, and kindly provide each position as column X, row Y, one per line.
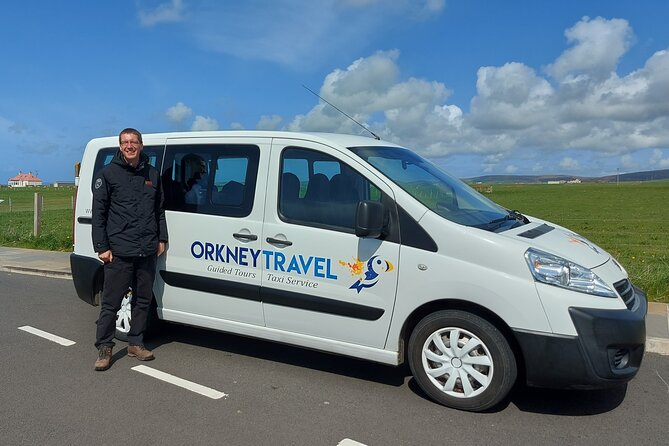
column 463, row 305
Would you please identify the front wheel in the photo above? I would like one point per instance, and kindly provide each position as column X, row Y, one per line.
column 461, row 360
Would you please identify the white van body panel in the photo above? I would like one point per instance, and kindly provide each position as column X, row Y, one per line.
column 473, row 266
column 188, row 234
column 340, row 250
column 271, row 334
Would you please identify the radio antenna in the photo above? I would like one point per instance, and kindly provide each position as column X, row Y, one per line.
column 333, row 106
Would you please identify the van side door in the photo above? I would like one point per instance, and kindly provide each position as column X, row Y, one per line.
column 319, row 278
column 214, row 199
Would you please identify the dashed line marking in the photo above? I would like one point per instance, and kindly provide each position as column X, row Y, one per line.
column 45, row 335
column 180, row 382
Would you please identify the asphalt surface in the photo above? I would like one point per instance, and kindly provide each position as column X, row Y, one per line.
column 274, row 394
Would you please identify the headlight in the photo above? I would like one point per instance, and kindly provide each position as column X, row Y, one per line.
column 554, row 270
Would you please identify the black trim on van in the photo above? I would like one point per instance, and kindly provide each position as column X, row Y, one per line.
column 319, row 304
column 271, row 296
column 536, row 232
column 86, row 274
column 85, row 220
column 209, row 285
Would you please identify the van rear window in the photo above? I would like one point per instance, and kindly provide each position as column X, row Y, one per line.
column 106, row 155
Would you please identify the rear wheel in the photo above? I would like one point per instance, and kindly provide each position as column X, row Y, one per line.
column 124, row 318
column 461, row 360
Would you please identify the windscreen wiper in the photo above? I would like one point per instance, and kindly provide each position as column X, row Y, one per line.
column 518, row 216
column 498, row 222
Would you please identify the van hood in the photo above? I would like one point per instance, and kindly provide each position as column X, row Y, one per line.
column 562, row 242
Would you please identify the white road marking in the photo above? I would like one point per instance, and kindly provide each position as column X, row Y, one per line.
column 188, row 385
column 349, row 442
column 45, row 335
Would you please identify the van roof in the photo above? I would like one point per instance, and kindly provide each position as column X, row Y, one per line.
column 336, row 138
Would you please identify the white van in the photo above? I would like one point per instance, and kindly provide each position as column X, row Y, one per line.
column 359, row 247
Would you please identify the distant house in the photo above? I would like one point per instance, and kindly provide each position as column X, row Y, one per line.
column 24, row 180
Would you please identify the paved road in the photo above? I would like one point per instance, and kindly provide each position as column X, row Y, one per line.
column 274, row 394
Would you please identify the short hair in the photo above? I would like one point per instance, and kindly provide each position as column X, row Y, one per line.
column 132, row 131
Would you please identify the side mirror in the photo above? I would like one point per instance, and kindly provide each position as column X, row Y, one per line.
column 371, row 219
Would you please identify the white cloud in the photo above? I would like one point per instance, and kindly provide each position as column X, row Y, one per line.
column 578, row 104
column 169, row 12
column 8, row 126
column 293, row 33
column 516, row 111
column 269, row 122
column 5, row 124
column 178, row 113
column 628, row 162
column 657, row 159
column 569, row 163
column 598, row 45
column 510, row 169
column 510, row 97
column 202, row 123
column 417, row 7
column 413, row 110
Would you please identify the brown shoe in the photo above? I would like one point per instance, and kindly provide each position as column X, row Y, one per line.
column 104, row 358
column 139, row 352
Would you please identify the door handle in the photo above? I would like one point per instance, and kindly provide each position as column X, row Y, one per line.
column 246, row 237
column 276, row 241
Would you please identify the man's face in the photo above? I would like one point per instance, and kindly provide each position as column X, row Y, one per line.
column 131, row 147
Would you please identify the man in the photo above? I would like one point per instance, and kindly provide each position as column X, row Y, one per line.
column 129, row 233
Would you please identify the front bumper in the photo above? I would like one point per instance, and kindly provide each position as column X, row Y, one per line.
column 607, row 351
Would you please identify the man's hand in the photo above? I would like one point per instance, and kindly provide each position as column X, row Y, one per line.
column 161, row 249
column 106, row 256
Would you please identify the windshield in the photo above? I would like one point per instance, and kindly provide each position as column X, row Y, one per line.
column 440, row 192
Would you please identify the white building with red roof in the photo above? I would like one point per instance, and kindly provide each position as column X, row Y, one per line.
column 24, row 180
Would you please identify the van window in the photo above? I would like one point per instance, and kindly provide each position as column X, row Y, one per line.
column 319, row 190
column 215, row 179
column 106, row 155
column 438, row 191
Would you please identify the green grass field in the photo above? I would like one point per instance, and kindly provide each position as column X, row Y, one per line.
column 630, row 221
column 16, row 218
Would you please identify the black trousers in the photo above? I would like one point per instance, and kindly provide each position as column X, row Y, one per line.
column 122, row 273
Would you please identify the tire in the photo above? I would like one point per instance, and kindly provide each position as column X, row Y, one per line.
column 476, row 374
column 124, row 318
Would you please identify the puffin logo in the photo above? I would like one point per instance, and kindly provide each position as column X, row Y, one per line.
column 368, row 273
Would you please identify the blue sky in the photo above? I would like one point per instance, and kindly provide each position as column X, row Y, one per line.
column 571, row 87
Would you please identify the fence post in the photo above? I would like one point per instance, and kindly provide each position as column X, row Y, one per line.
column 37, row 221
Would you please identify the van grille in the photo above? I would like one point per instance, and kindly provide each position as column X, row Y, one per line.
column 624, row 288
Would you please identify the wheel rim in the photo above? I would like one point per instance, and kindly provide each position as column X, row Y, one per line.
column 457, row 362
column 124, row 313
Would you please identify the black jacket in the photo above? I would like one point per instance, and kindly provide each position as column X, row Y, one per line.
column 128, row 214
